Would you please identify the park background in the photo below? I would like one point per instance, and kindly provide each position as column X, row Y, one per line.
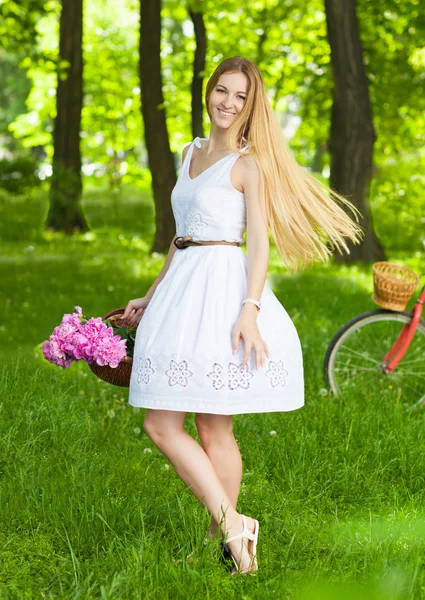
column 96, row 104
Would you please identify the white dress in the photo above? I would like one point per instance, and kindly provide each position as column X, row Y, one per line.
column 183, row 356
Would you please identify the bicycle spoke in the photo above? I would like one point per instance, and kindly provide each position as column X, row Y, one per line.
column 408, row 362
column 362, row 356
column 357, row 358
column 356, row 367
column 403, row 372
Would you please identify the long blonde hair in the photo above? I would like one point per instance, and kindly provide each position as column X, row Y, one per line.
column 305, row 220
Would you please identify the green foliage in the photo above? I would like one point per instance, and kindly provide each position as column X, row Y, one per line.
column 14, row 89
column 35, row 127
column 18, row 175
column 111, row 122
column 18, row 22
column 398, row 203
column 395, row 78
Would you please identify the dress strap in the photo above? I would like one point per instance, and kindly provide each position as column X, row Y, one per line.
column 186, row 162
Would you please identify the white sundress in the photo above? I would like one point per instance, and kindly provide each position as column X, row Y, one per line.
column 183, row 355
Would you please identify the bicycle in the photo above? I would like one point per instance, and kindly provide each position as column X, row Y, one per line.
column 382, row 350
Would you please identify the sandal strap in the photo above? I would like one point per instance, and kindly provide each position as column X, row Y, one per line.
column 245, row 533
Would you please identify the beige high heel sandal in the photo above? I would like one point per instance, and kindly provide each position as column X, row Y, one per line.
column 252, row 545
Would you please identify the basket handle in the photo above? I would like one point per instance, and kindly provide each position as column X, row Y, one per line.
column 116, row 311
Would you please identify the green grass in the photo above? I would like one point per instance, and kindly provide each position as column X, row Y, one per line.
column 86, row 512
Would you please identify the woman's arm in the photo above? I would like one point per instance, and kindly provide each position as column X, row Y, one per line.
column 258, row 248
column 257, row 245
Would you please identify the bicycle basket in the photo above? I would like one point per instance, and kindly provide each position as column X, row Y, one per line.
column 393, row 285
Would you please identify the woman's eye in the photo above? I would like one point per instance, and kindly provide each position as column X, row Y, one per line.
column 241, row 97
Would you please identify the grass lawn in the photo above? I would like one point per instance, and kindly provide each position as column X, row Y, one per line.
column 89, row 508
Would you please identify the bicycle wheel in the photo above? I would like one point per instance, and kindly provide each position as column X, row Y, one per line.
column 355, row 355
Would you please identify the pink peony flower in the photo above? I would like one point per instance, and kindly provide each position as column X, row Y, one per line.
column 52, row 352
column 74, row 318
column 90, row 341
column 110, row 351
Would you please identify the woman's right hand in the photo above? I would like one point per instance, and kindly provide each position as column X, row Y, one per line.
column 134, row 312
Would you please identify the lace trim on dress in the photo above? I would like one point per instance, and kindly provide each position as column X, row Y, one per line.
column 234, row 375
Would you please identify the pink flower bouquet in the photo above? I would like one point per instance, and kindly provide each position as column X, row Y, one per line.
column 92, row 340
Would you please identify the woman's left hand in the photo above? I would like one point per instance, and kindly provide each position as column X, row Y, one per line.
column 247, row 328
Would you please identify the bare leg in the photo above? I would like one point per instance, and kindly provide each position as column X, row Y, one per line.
column 218, row 441
column 192, row 465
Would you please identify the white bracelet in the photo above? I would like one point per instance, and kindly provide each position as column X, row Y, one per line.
column 257, row 304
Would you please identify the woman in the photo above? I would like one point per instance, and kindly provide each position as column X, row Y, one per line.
column 209, row 296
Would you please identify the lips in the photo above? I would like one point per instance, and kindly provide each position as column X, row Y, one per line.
column 223, row 114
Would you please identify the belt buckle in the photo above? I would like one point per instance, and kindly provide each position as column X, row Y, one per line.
column 180, row 242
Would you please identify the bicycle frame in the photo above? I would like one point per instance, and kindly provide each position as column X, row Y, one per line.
column 394, row 356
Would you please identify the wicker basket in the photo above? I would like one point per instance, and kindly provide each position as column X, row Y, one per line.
column 393, row 285
column 120, row 375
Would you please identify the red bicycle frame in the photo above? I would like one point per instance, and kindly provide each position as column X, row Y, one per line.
column 394, row 356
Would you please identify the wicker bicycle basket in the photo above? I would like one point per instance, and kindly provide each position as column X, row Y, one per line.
column 393, row 285
column 120, row 375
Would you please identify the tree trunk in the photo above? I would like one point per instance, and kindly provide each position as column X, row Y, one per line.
column 65, row 211
column 352, row 134
column 160, row 157
column 198, row 69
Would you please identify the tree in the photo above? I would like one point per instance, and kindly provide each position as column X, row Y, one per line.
column 65, row 211
column 352, row 134
column 197, row 17
column 160, row 157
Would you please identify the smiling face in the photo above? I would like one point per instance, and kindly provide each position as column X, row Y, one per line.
column 227, row 99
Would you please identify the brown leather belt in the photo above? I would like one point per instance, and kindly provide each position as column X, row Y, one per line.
column 184, row 241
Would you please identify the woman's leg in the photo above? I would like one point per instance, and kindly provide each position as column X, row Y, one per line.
column 192, row 465
column 218, row 441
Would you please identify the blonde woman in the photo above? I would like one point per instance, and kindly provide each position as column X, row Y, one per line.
column 212, row 338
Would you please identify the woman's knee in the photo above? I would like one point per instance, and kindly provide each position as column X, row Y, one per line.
column 213, row 429
column 160, row 426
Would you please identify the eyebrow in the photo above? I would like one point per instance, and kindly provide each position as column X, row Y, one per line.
column 226, row 88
